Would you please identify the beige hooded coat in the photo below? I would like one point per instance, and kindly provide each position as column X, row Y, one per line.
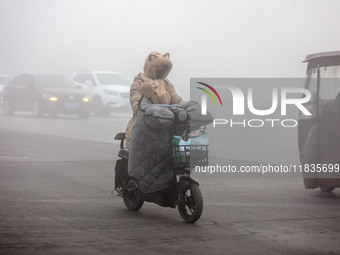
column 152, row 83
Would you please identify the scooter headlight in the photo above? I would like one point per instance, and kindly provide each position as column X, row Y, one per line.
column 182, row 115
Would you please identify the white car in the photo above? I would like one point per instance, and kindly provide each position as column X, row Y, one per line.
column 110, row 90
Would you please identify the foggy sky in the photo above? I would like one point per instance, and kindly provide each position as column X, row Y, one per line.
column 205, row 38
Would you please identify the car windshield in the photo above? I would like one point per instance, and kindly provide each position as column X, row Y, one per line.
column 112, row 79
column 329, row 82
column 327, row 72
column 46, row 81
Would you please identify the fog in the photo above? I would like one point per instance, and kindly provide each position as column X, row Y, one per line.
column 205, row 38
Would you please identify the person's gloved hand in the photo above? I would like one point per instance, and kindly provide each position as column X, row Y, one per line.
column 158, row 117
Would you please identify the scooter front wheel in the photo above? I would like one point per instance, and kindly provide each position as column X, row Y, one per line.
column 131, row 196
column 191, row 205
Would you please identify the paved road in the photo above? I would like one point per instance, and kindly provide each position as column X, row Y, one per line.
column 55, row 199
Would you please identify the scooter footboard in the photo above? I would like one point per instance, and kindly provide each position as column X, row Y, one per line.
column 166, row 197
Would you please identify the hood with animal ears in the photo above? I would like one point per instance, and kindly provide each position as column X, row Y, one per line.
column 157, row 66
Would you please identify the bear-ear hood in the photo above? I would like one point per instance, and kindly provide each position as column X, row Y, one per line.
column 157, row 66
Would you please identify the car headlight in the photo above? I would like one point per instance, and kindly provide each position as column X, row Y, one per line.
column 50, row 97
column 111, row 92
column 86, row 99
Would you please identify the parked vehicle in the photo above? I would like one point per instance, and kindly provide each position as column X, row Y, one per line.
column 110, row 90
column 319, row 135
column 42, row 94
column 3, row 81
column 183, row 191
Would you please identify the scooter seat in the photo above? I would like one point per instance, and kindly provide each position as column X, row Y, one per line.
column 123, row 153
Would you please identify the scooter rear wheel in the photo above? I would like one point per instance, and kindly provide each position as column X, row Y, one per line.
column 191, row 207
column 131, row 196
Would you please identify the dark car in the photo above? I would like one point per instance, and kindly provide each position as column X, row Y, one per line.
column 42, row 94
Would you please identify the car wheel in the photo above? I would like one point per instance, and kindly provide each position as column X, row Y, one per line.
column 84, row 115
column 326, row 188
column 8, row 108
column 98, row 107
column 37, row 110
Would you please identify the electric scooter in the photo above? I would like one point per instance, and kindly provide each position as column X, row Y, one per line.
column 184, row 193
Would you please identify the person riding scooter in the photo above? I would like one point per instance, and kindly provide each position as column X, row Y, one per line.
column 154, row 167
